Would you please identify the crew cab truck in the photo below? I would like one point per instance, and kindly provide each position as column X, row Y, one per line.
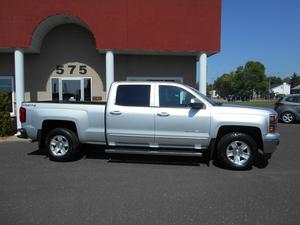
column 157, row 118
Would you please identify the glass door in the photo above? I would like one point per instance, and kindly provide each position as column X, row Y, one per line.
column 71, row 89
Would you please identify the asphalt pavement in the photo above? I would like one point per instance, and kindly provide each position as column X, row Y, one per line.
column 147, row 190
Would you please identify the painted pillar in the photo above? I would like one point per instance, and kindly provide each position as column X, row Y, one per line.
column 109, row 69
column 202, row 71
column 19, row 80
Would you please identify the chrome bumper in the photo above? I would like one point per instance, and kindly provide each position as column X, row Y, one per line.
column 270, row 142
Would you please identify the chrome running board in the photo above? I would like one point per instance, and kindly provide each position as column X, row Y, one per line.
column 151, row 152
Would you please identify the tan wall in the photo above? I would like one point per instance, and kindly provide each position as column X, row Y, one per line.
column 64, row 45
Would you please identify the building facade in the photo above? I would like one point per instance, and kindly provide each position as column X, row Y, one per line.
column 62, row 50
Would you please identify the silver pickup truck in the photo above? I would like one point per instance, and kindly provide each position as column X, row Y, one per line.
column 157, row 118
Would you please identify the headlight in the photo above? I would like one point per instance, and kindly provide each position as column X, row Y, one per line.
column 272, row 123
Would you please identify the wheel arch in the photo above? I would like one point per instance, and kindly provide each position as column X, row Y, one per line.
column 49, row 125
column 254, row 132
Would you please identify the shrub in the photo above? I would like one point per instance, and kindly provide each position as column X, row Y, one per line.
column 5, row 121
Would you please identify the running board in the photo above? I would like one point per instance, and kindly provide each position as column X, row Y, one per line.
column 151, row 152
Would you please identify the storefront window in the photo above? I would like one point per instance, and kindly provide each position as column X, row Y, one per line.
column 55, row 89
column 71, row 89
column 87, row 89
column 7, row 85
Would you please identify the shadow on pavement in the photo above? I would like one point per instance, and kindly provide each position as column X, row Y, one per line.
column 98, row 152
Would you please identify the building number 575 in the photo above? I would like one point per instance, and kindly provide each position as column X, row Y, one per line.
column 61, row 70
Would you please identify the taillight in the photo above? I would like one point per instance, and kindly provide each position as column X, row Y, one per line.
column 272, row 123
column 22, row 113
column 279, row 104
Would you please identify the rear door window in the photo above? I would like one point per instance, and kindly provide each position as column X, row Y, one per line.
column 133, row 95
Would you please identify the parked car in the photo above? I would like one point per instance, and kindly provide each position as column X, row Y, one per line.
column 288, row 108
column 156, row 118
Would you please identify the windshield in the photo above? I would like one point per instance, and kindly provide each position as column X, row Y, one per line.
column 212, row 102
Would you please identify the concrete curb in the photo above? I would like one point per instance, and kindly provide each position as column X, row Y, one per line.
column 11, row 139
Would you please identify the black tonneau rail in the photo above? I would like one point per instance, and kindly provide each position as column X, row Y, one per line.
column 68, row 102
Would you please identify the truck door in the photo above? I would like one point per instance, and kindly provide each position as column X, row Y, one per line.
column 178, row 125
column 129, row 116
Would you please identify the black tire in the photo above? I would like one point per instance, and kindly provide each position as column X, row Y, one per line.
column 240, row 157
column 62, row 145
column 288, row 117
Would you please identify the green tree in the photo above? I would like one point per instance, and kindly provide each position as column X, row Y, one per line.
column 5, row 121
column 273, row 80
column 256, row 80
column 244, row 81
column 294, row 80
column 224, row 85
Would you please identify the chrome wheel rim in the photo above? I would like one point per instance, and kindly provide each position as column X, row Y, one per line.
column 287, row 117
column 59, row 145
column 238, row 152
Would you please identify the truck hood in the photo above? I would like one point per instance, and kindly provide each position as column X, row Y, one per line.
column 240, row 109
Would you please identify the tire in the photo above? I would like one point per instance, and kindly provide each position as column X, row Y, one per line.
column 236, row 151
column 62, row 145
column 288, row 117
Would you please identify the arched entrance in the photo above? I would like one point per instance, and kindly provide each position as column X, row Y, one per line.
column 67, row 65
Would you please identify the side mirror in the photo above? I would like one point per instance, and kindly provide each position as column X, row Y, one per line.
column 196, row 104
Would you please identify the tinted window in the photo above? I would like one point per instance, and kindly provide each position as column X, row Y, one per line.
column 133, row 95
column 291, row 99
column 171, row 96
column 297, row 99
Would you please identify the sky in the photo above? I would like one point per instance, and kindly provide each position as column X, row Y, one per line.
column 260, row 30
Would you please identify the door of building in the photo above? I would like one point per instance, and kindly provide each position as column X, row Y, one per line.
column 71, row 89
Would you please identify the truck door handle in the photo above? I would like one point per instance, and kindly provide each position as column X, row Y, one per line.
column 115, row 113
column 165, row 114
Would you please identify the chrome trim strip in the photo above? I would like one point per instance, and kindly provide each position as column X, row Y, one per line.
column 179, row 137
column 131, row 135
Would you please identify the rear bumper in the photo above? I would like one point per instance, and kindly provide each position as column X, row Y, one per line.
column 270, row 142
column 22, row 133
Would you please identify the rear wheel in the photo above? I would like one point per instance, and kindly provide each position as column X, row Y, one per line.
column 62, row 145
column 236, row 151
column 287, row 117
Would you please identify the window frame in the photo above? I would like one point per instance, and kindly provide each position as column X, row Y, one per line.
column 13, row 113
column 60, row 79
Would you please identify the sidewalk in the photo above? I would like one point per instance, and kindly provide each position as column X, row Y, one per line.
column 11, row 139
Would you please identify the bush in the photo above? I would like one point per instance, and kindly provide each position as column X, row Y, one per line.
column 5, row 121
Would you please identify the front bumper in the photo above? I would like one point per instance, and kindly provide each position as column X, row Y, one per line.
column 270, row 142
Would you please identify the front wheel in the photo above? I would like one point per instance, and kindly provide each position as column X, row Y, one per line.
column 236, row 151
column 288, row 117
column 62, row 144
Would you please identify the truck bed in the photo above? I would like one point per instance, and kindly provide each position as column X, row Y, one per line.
column 89, row 118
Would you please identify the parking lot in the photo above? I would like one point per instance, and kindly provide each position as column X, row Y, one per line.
column 95, row 190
